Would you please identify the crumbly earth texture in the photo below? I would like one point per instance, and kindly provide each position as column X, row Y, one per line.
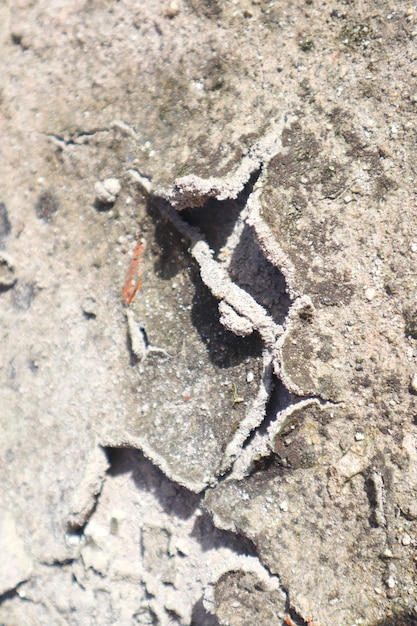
column 216, row 425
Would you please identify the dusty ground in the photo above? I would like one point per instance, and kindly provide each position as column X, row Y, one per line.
column 237, row 444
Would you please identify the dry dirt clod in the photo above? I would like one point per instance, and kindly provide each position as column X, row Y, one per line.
column 107, row 190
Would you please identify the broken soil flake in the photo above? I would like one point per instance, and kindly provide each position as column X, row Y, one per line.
column 265, row 508
column 165, row 549
column 325, row 468
column 314, row 500
column 187, row 368
column 329, row 448
column 212, row 429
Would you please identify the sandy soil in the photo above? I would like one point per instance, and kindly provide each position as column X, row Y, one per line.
column 208, row 242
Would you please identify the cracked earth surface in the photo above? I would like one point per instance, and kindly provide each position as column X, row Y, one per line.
column 236, row 442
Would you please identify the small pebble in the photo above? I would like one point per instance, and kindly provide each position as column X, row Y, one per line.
column 173, row 9
column 249, row 377
column 370, row 294
column 406, row 539
column 284, row 506
column 107, row 190
column 359, row 437
column 383, row 151
column 388, row 554
column 89, row 306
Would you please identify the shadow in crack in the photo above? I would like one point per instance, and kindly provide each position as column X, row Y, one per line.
column 246, row 265
column 178, row 543
column 209, row 537
column 250, row 270
column 10, row 594
column 200, row 617
column 169, row 246
column 279, row 399
column 225, row 349
column 241, row 253
column 217, row 219
column 174, row 500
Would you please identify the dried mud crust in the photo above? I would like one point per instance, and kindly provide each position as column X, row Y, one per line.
column 332, row 446
column 264, row 152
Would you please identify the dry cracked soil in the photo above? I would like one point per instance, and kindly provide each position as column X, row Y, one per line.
column 208, row 337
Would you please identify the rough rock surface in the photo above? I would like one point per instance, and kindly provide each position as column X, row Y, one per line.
column 208, row 241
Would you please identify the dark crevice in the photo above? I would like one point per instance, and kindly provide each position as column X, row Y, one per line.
column 296, row 618
column 170, row 246
column 251, row 271
column 200, row 617
column 248, row 267
column 174, row 617
column 176, row 500
column 74, row 138
column 224, row 348
column 279, row 399
column 102, row 207
column 5, row 225
column 59, row 563
column 212, row 538
column 11, row 593
column 217, row 218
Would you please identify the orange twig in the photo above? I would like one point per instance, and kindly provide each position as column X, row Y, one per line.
column 133, row 280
